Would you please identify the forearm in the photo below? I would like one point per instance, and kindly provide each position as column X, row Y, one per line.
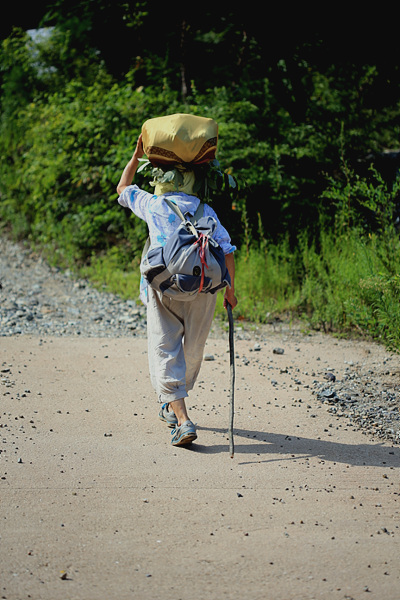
column 131, row 168
column 229, row 296
column 128, row 174
column 230, row 265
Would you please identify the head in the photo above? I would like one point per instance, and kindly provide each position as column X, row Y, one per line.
column 186, row 185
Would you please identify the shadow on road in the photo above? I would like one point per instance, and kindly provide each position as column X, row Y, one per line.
column 269, row 447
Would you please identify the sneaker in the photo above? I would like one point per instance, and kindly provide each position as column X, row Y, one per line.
column 168, row 416
column 185, row 434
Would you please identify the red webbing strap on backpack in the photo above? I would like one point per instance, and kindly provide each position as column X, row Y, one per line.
column 202, row 243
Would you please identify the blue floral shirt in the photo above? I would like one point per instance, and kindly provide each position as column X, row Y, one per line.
column 162, row 222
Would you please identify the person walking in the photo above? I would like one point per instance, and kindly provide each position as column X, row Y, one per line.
column 176, row 331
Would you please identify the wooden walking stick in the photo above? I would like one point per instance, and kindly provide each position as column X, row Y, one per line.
column 232, row 365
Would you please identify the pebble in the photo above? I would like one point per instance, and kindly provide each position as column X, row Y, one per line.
column 329, row 376
column 38, row 299
column 370, row 401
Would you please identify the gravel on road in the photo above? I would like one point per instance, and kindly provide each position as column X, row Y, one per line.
column 37, row 299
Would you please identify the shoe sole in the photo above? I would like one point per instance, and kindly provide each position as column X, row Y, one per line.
column 185, row 439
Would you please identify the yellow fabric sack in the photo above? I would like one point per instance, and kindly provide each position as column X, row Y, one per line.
column 180, row 138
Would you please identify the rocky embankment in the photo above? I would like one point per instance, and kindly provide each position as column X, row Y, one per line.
column 36, row 299
column 41, row 300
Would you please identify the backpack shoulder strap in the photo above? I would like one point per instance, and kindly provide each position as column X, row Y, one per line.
column 175, row 208
column 146, row 248
column 197, row 215
column 189, row 221
column 199, row 212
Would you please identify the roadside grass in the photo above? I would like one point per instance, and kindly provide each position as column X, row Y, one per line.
column 112, row 272
column 342, row 287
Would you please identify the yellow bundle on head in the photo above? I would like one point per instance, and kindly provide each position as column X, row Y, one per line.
column 179, row 139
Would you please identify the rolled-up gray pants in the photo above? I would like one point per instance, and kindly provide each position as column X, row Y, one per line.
column 177, row 332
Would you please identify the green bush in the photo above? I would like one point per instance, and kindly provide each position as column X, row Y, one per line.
column 315, row 240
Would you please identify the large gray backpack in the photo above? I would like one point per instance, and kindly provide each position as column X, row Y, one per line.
column 191, row 261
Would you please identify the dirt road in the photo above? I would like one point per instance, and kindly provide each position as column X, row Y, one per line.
column 96, row 504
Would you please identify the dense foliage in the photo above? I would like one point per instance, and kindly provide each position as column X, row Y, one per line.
column 310, row 133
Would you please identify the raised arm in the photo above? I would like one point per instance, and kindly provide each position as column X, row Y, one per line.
column 130, row 169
